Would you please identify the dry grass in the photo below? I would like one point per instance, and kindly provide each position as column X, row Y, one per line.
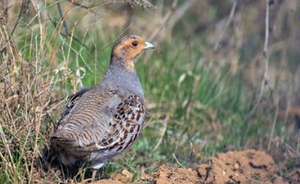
column 27, row 100
column 33, row 81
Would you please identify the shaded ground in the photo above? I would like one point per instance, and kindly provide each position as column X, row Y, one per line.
column 247, row 166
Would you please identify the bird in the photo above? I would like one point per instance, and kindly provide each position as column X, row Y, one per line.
column 100, row 122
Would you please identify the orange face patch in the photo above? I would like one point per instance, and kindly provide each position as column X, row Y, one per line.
column 127, row 45
column 128, row 50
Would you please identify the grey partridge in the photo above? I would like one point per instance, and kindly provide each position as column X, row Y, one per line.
column 100, row 122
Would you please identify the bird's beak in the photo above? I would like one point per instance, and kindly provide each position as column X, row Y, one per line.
column 148, row 46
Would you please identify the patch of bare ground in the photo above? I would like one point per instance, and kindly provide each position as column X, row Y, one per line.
column 248, row 166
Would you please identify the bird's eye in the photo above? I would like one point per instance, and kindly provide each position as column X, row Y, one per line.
column 134, row 44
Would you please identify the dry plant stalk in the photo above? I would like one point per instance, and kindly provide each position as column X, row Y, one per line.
column 133, row 3
column 142, row 3
column 3, row 12
column 26, row 99
column 24, row 95
column 266, row 60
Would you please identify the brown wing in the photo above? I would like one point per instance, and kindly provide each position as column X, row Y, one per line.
column 72, row 101
column 99, row 122
column 124, row 128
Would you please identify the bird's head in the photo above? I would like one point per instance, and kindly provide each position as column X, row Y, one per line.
column 128, row 48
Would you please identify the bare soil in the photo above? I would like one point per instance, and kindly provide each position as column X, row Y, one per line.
column 249, row 166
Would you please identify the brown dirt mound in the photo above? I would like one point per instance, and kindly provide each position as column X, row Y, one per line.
column 247, row 166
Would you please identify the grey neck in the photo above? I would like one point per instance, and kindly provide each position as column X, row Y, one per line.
column 123, row 78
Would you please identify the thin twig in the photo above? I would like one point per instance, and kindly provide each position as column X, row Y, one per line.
column 112, row 42
column 179, row 13
column 3, row 12
column 227, row 24
column 19, row 16
column 298, row 141
column 174, row 156
column 90, row 50
column 95, row 5
column 163, row 21
column 266, row 58
column 10, row 85
column 165, row 123
column 66, row 32
column 273, row 126
column 108, row 2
